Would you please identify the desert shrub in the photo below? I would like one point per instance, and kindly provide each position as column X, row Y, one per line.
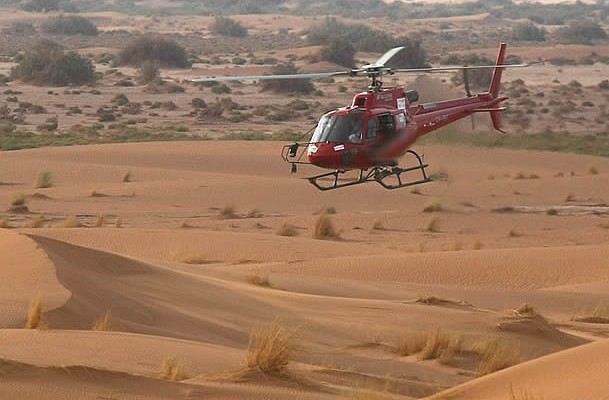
column 258, row 280
column 120, row 99
column 270, row 348
column 433, row 206
column 154, row 48
column 198, row 102
column 238, row 60
column 20, row 28
column 604, row 84
column 287, row 230
column 228, row 27
column 304, row 86
column 47, row 64
column 324, row 228
column 147, row 71
column 69, row 25
column 18, row 204
column 528, row 31
column 582, row 32
column 44, row 180
column 339, row 51
column 220, row 89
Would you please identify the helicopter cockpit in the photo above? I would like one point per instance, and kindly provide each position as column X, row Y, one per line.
column 339, row 129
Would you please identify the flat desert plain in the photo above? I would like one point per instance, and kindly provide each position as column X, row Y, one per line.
column 176, row 260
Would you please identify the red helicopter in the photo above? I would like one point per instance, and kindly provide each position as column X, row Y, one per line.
column 381, row 124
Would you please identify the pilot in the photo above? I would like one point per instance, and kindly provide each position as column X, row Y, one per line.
column 356, row 132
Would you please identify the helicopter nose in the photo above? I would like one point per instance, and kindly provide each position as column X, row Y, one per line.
column 331, row 155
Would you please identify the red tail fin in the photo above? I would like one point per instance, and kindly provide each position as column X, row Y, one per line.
column 496, row 81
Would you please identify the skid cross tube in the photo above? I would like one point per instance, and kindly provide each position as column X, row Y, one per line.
column 377, row 174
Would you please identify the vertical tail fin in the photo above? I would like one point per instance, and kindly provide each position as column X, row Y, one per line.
column 495, row 84
column 496, row 80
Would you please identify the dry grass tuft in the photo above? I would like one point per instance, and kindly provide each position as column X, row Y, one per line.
column 100, row 221
column 254, row 213
column 436, row 342
column 324, row 228
column 34, row 315
column 478, row 245
column 287, row 230
column 570, row 197
column 37, row 222
column 126, row 177
column 44, row 180
column 598, row 315
column 271, row 348
column 173, row 370
column 496, row 356
column 4, row 223
column 519, row 175
column 513, row 233
column 524, row 395
column 104, row 323
column 17, row 205
column 410, row 344
column 433, row 206
column 525, row 310
column 433, row 225
column 326, row 210
column 592, row 170
column 259, row 280
column 227, row 212
column 119, row 222
column 72, row 222
column 191, row 258
column 95, row 193
column 454, row 348
column 378, row 226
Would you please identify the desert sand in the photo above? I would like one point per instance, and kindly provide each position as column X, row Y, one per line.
column 394, row 272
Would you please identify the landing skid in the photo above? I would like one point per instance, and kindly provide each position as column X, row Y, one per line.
column 381, row 174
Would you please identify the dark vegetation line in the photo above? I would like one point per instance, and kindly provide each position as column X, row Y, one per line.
column 548, row 14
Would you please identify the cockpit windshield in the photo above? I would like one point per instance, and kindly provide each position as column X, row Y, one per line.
column 339, row 128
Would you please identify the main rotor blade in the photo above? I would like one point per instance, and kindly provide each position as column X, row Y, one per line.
column 437, row 69
column 386, row 57
column 319, row 75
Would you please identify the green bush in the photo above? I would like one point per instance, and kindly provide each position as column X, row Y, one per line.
column 47, row 64
column 228, row 27
column 339, row 51
column 528, row 32
column 69, row 25
column 582, row 32
column 364, row 38
column 147, row 72
column 156, row 49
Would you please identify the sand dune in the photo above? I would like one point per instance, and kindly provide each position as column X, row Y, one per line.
column 581, row 373
column 351, row 298
column 26, row 273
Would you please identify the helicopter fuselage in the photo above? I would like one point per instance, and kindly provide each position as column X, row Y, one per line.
column 379, row 127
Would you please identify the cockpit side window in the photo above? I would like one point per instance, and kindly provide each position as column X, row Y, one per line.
column 387, row 125
column 371, row 128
